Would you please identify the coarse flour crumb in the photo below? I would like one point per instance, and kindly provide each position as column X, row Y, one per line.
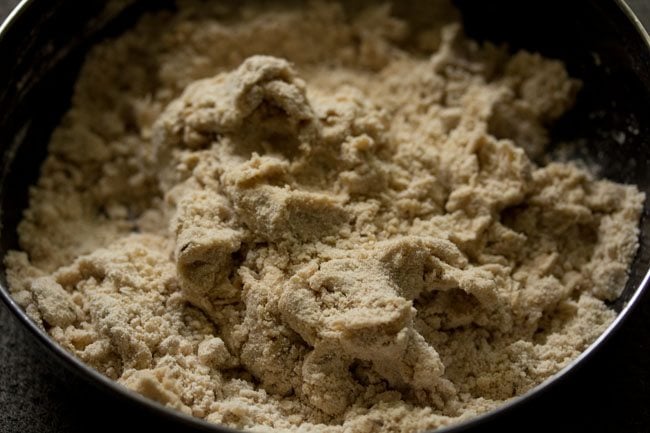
column 312, row 220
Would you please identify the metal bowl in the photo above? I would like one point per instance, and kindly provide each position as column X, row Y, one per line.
column 42, row 45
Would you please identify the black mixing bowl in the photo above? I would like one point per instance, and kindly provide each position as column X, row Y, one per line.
column 43, row 43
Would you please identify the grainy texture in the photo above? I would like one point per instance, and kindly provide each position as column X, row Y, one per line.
column 48, row 296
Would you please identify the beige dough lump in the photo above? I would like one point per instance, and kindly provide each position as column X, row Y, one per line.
column 312, row 219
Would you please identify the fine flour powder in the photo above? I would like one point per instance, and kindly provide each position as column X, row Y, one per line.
column 307, row 219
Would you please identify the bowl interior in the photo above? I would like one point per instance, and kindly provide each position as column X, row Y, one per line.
column 608, row 128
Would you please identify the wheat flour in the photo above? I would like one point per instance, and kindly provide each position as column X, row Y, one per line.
column 303, row 219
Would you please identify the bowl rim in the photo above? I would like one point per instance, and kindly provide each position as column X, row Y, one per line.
column 92, row 376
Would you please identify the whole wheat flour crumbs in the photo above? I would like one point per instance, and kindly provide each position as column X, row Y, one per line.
column 307, row 219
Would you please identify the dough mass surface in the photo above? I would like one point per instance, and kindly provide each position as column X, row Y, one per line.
column 308, row 219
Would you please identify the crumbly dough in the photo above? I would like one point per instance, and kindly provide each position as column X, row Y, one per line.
column 307, row 219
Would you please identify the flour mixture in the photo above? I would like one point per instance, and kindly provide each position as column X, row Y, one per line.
column 308, row 219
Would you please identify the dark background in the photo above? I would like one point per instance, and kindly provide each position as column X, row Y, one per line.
column 611, row 393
